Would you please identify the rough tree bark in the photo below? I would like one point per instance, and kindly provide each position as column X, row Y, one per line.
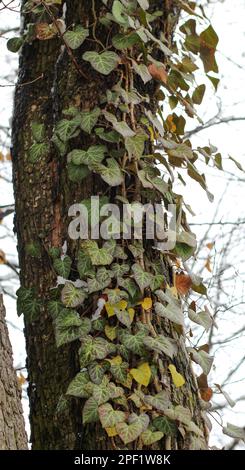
column 12, row 426
column 43, row 195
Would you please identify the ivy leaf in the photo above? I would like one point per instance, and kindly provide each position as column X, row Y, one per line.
column 77, row 386
column 14, row 44
column 102, row 280
column 84, row 265
column 67, row 335
column 110, row 417
column 111, row 173
column 142, row 278
column 150, row 437
column 89, row 119
column 120, row 126
column 142, row 71
column 163, row 424
column 67, row 318
column 208, row 44
column 66, row 129
column 90, row 411
column 172, row 312
column 135, row 145
column 103, row 63
column 37, row 151
column 38, row 131
column 77, row 173
column 101, row 392
column 203, row 359
column 71, row 296
column 111, row 332
column 161, row 344
column 63, row 266
column 125, row 41
column 130, row 432
column 201, row 318
column 177, row 378
column 54, row 308
column 234, row 431
column 98, row 256
column 119, row 371
column 95, row 154
column 75, row 38
column 118, row 11
column 130, row 286
column 198, row 94
column 134, row 343
column 160, row 401
column 31, row 309
column 96, row 372
column 142, row 374
column 144, row 4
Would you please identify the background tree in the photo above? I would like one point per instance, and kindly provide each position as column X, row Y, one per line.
column 12, row 428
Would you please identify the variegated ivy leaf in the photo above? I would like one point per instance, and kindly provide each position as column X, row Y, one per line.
column 103, row 63
column 63, row 266
column 150, row 437
column 96, row 372
column 71, row 296
column 77, row 386
column 76, row 37
column 144, row 4
column 160, row 401
column 135, row 343
column 98, row 256
column 77, row 173
column 67, row 335
column 66, row 129
column 111, row 173
column 68, row 317
column 94, row 154
column 161, row 344
column 142, row 277
column 119, row 371
column 142, row 71
column 203, row 359
column 115, row 295
column 101, row 392
column 54, row 308
column 115, row 392
column 94, row 348
column 84, row 265
column 110, row 417
column 130, row 432
column 31, row 309
column 119, row 13
column 179, row 413
column 130, row 286
column 120, row 126
column 119, row 269
column 124, row 317
column 102, row 280
column 120, row 253
column 135, row 145
column 90, row 411
column 89, row 119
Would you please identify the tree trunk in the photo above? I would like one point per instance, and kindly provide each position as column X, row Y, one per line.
column 12, row 426
column 49, row 83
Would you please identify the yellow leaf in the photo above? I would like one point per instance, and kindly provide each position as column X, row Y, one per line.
column 122, row 305
column 178, row 379
column 111, row 332
column 174, row 291
column 142, row 374
column 21, row 379
column 147, row 303
column 111, row 431
column 117, row 360
column 110, row 309
column 131, row 313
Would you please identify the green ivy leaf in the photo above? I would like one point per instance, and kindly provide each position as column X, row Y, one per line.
column 37, row 151
column 125, row 41
column 54, row 308
column 96, row 372
column 150, row 437
column 203, row 359
column 90, row 411
column 66, row 129
column 75, row 38
column 77, row 387
column 103, row 63
column 77, row 173
column 135, row 145
column 31, row 309
column 63, row 266
column 102, row 280
column 172, row 312
column 95, row 154
column 89, row 119
column 38, row 131
column 198, row 94
column 135, row 343
column 160, row 401
column 119, row 13
column 98, row 256
column 120, row 126
column 167, row 427
column 120, row 371
column 84, row 265
column 111, row 173
column 14, row 44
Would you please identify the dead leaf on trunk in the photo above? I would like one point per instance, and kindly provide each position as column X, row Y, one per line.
column 183, row 283
column 158, row 73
